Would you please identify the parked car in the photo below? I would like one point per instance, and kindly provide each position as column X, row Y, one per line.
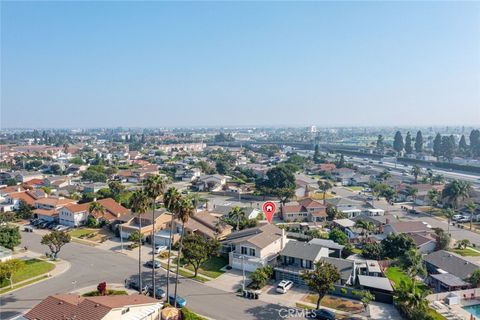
column 151, row 264
column 159, row 294
column 134, row 285
column 323, row 314
column 457, row 217
column 62, row 228
column 284, row 286
column 43, row 225
column 159, row 249
column 181, row 302
column 464, row 219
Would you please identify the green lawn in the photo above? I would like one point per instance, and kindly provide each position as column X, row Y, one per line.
column 32, row 268
column 23, row 284
column 355, row 188
column 183, row 273
column 211, row 267
column 467, row 252
column 77, row 233
column 396, row 275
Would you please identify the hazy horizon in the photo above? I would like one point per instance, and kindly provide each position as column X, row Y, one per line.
column 239, row 64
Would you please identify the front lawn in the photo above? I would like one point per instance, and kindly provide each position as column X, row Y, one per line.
column 355, row 188
column 109, row 292
column 31, row 269
column 336, row 303
column 211, row 267
column 467, row 252
column 396, row 275
column 82, row 233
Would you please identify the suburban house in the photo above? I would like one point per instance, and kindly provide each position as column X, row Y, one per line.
column 349, row 207
column 188, row 174
column 211, row 182
column 131, row 223
column 75, row 215
column 421, row 197
column 335, row 249
column 444, row 262
column 250, row 213
column 48, row 208
column 72, row 306
column 24, row 176
column 305, row 186
column 12, row 200
column 207, row 225
column 304, row 210
column 406, row 227
column 380, row 287
column 344, row 175
column 256, row 247
column 297, row 257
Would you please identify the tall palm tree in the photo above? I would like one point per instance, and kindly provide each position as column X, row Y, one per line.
column 416, row 171
column 412, row 192
column 410, row 299
column 154, row 187
column 448, row 213
column 97, row 208
column 185, row 211
column 237, row 214
column 139, row 205
column 324, row 185
column 471, row 207
column 456, row 190
column 412, row 263
column 171, row 199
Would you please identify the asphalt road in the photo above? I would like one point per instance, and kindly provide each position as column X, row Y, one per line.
column 90, row 265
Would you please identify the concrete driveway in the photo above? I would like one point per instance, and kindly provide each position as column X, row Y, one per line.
column 230, row 281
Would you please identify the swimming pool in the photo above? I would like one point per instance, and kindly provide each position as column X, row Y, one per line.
column 475, row 310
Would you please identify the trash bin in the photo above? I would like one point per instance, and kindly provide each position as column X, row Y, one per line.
column 244, row 293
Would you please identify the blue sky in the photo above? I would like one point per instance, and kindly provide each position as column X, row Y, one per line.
column 90, row 64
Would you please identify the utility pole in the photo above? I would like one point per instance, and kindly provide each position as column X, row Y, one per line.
column 121, row 238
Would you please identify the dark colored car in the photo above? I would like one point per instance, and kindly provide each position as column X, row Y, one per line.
column 322, row 314
column 159, row 294
column 134, row 285
column 181, row 302
column 150, row 264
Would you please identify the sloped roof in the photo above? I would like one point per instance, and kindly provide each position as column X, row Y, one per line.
column 260, row 236
column 452, row 263
column 302, row 250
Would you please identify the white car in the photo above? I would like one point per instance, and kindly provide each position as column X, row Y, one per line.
column 284, row 286
column 159, row 249
column 457, row 217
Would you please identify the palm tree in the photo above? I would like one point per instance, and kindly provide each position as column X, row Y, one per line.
column 384, row 175
column 170, row 200
column 438, row 178
column 433, row 197
column 412, row 263
column 237, row 214
column 456, row 190
column 154, row 187
column 412, row 192
column 325, row 185
column 410, row 299
column 185, row 211
column 366, row 227
column 139, row 205
column 471, row 207
column 448, row 213
column 96, row 207
column 416, row 171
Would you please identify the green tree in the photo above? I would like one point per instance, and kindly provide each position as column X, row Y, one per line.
column 9, row 268
column 443, row 239
column 472, row 208
column 448, row 213
column 55, row 240
column 456, row 190
column 412, row 193
column 321, row 279
column 398, row 144
column 171, row 200
column 96, row 208
column 260, row 276
column 462, row 146
column 395, row 245
column 238, row 215
column 419, row 142
column 316, row 155
column 408, row 143
column 366, row 227
column 154, row 188
column 198, row 249
column 433, row 197
column 338, row 236
column 373, row 251
column 412, row 263
column 9, row 236
column 135, row 237
column 474, row 278
column 185, row 210
column 139, row 205
column 116, row 188
column 410, row 300
column 463, row 244
column 437, row 145
column 475, row 143
column 324, row 186
column 24, row 210
column 380, row 145
column 416, row 172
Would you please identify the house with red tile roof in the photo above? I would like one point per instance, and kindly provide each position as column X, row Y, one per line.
column 71, row 306
column 75, row 215
column 304, row 210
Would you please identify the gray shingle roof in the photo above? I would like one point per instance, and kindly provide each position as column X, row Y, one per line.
column 345, row 267
column 449, row 279
column 452, row 263
column 327, row 243
column 302, row 250
column 375, row 282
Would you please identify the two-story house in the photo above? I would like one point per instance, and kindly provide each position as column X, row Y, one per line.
column 256, row 247
column 304, row 210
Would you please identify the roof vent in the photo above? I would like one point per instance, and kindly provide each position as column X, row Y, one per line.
column 97, row 305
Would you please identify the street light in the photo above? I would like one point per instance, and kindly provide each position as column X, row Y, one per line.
column 74, row 283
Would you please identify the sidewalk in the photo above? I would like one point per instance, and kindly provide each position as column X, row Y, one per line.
column 61, row 266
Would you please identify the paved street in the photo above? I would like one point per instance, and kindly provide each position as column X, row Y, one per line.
column 89, row 266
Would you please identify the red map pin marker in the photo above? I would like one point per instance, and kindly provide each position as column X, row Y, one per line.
column 269, row 208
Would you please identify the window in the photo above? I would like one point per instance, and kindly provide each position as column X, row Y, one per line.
column 244, row 250
column 252, row 252
column 125, row 310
